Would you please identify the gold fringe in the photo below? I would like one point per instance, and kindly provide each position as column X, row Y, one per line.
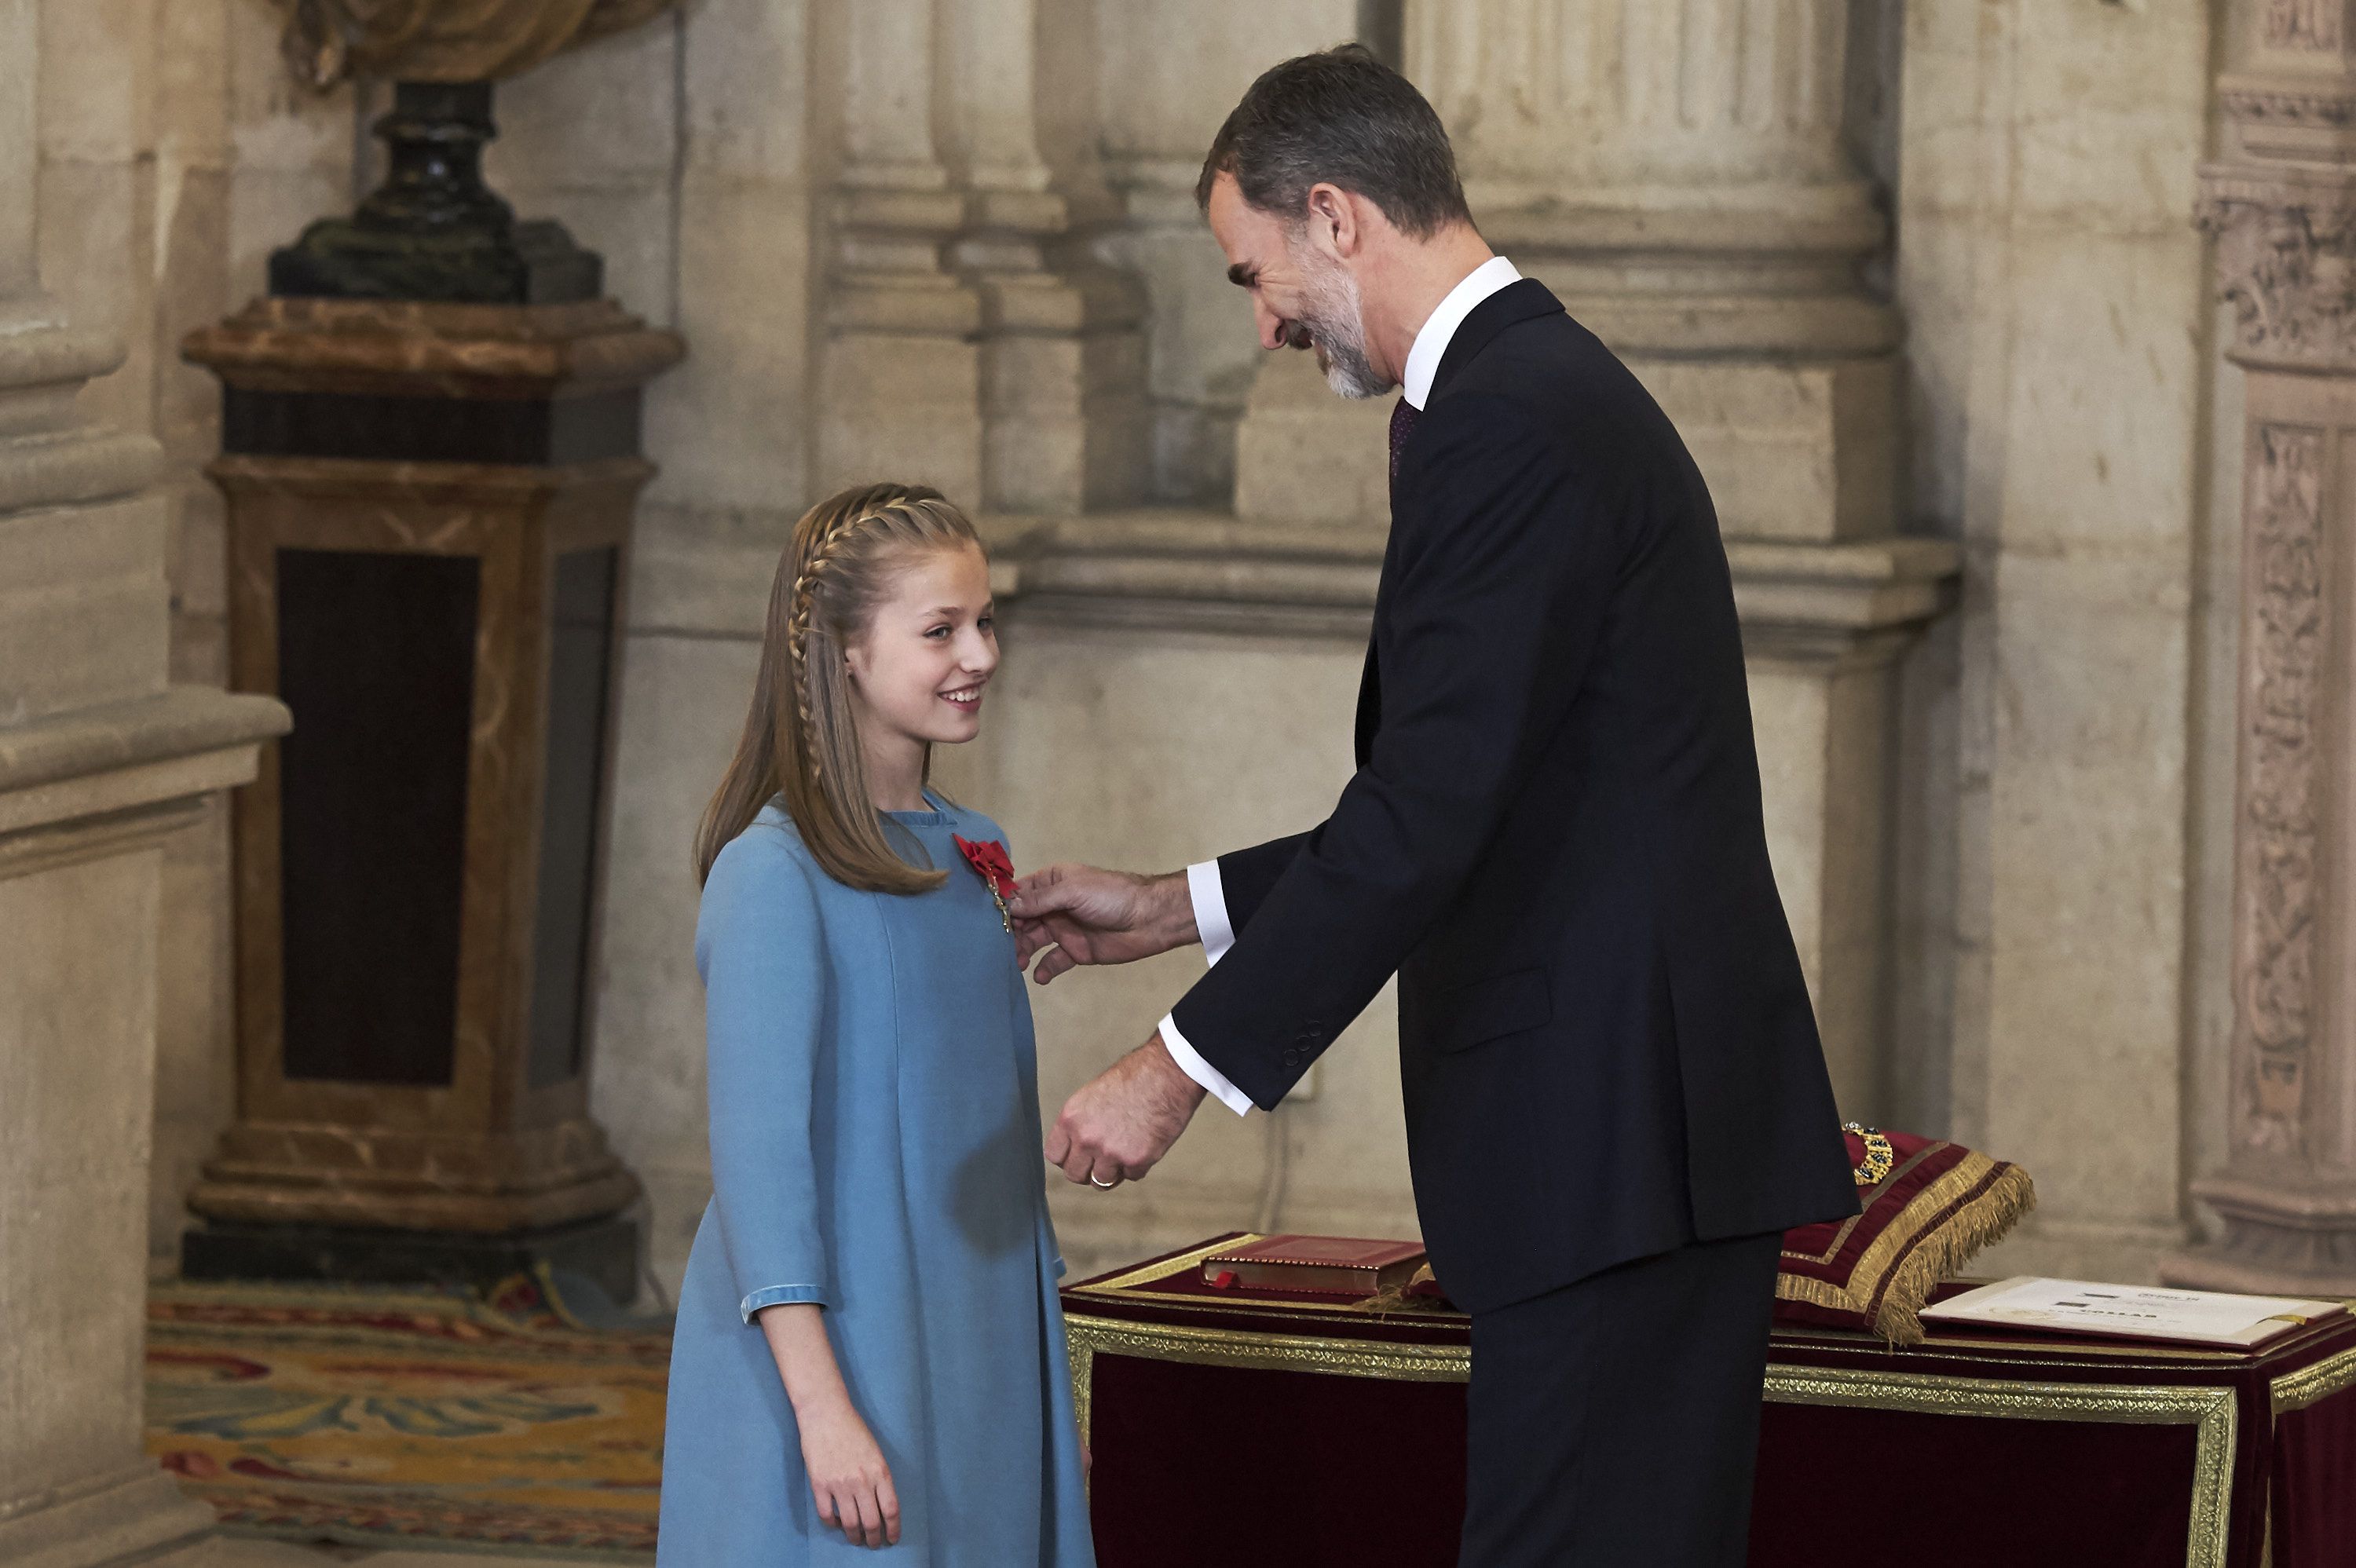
column 1940, row 1255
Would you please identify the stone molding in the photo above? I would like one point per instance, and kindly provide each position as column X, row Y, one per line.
column 184, row 720
column 1859, row 601
column 44, row 364
column 1185, row 571
column 2273, row 100
column 74, row 467
column 126, row 1512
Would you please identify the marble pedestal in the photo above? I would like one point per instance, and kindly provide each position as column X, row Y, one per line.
column 430, row 510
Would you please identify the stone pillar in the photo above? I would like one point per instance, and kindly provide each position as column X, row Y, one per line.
column 2055, row 803
column 1155, row 124
column 899, row 383
column 2281, row 204
column 1677, row 175
column 101, row 760
column 1062, row 356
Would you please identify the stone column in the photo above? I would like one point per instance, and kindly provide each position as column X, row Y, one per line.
column 1677, row 175
column 899, row 382
column 1062, row 356
column 100, row 760
column 1154, row 125
column 2281, row 204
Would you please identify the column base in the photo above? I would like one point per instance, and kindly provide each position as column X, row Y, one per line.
column 140, row 1509
column 2291, row 1236
column 605, row 1251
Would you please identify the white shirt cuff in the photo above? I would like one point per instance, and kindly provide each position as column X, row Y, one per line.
column 1190, row 1061
column 1210, row 922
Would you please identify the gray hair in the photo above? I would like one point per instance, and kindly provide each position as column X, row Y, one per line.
column 1339, row 117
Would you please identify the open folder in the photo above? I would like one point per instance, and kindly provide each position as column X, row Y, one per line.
column 2132, row 1311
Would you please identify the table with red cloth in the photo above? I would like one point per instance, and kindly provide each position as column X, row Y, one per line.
column 1281, row 1428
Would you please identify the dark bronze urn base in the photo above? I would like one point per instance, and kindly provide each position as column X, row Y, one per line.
column 434, row 230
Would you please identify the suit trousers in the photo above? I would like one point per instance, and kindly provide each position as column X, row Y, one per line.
column 1615, row 1421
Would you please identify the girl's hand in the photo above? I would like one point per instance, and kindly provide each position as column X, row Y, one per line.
column 849, row 1479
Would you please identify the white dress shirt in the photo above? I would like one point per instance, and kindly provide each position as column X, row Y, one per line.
column 1210, row 899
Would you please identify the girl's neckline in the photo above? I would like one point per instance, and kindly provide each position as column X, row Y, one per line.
column 936, row 813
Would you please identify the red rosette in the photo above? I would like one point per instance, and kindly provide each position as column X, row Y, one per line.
column 995, row 868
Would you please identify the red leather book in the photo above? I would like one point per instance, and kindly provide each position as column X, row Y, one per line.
column 1336, row 1265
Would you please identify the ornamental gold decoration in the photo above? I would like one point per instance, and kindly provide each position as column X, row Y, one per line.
column 2209, row 1410
column 1880, row 1156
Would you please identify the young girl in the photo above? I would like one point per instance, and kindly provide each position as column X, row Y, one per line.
column 869, row 1350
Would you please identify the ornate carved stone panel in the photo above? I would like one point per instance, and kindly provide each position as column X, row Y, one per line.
column 2304, row 24
column 2287, row 263
column 2282, row 661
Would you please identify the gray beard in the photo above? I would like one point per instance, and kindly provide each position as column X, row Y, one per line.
column 1337, row 321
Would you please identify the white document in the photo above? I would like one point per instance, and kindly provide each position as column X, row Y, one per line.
column 2133, row 1311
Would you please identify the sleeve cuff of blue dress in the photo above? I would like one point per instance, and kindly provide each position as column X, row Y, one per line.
column 782, row 1296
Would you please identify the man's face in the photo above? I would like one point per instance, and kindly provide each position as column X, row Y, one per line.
column 1302, row 297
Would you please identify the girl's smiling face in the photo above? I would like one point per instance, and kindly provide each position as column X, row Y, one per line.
column 918, row 669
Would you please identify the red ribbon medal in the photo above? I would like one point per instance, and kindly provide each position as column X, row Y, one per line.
column 990, row 863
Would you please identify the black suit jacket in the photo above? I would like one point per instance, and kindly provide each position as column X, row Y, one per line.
column 1555, row 840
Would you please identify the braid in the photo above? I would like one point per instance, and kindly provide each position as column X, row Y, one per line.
column 829, row 547
column 800, row 748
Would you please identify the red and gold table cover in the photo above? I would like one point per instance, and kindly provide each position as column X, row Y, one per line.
column 1300, row 1431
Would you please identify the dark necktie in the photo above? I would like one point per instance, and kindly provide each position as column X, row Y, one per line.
column 1403, row 417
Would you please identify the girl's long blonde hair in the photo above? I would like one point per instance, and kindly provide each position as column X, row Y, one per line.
column 801, row 738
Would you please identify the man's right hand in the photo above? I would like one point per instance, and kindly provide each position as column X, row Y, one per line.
column 1081, row 914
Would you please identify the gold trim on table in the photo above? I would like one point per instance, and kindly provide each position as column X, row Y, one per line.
column 1161, row 1269
column 2210, row 1409
column 1124, row 1287
column 2313, row 1384
column 1087, row 1337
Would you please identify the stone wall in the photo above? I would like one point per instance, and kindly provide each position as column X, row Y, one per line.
column 173, row 153
column 1920, row 291
column 111, row 773
column 2061, row 957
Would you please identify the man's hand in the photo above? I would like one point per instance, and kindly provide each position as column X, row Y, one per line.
column 1124, row 1120
column 1079, row 914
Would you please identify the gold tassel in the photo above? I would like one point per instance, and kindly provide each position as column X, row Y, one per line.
column 1938, row 1257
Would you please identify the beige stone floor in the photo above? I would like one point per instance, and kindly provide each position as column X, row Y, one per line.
column 233, row 1553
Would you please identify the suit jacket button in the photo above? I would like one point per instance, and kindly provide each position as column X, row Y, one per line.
column 1293, row 1059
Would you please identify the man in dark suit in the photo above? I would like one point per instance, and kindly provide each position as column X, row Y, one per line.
column 1616, row 1100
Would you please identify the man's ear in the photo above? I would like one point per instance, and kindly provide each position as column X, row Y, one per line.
column 1334, row 221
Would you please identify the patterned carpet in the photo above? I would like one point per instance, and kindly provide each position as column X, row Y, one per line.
column 378, row 1417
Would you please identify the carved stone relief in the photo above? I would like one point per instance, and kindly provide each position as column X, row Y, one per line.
column 2283, row 663
column 2304, row 24
column 2287, row 263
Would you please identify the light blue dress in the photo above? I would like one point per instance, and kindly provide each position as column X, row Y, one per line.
column 875, row 1149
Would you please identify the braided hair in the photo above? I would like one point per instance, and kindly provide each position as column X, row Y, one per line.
column 800, row 742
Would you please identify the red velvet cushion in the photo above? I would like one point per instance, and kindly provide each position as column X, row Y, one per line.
column 1939, row 1204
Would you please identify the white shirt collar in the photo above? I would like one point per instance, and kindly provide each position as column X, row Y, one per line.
column 1431, row 341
